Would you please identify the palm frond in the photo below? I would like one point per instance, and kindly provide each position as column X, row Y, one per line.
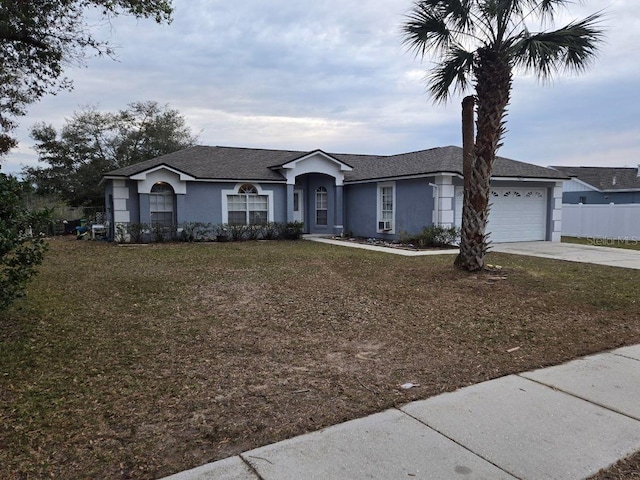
column 546, row 9
column 572, row 47
column 425, row 29
column 455, row 69
column 436, row 24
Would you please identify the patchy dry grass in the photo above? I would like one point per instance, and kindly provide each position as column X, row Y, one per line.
column 138, row 362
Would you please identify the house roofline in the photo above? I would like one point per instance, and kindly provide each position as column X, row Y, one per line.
column 621, row 190
column 532, row 179
column 453, row 174
column 401, row 177
column 206, row 180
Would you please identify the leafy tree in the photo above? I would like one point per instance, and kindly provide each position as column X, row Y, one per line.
column 92, row 143
column 20, row 251
column 38, row 38
column 479, row 43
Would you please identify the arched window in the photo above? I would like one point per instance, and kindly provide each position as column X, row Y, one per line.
column 161, row 205
column 321, row 206
column 247, row 207
column 248, row 189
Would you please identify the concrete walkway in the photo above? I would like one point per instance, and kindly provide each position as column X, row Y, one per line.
column 614, row 257
column 377, row 248
column 564, row 422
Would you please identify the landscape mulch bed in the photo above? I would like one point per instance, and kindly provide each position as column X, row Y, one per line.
column 142, row 362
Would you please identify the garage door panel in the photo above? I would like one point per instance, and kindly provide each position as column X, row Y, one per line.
column 515, row 214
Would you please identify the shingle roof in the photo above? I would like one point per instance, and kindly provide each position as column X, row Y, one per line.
column 605, row 178
column 229, row 163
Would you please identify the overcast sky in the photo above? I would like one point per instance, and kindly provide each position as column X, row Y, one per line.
column 334, row 75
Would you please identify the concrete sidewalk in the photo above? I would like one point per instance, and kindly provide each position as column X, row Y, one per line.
column 563, row 422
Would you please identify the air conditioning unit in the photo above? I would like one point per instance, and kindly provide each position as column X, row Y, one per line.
column 386, row 225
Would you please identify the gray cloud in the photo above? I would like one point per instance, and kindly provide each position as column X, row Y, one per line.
column 334, row 75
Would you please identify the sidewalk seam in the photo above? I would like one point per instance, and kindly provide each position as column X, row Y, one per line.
column 251, row 467
column 592, row 402
column 459, row 444
column 624, row 356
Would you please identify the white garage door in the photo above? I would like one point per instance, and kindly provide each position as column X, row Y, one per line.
column 516, row 215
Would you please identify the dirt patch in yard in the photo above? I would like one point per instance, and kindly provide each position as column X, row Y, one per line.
column 139, row 363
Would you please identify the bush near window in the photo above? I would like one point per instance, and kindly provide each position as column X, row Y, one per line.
column 434, row 236
column 207, row 232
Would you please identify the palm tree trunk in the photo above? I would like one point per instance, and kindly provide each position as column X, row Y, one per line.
column 468, row 141
column 493, row 86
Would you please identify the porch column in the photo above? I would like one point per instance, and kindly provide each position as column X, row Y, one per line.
column 290, row 188
column 445, row 201
column 180, row 208
column 121, row 212
column 556, row 213
column 338, row 226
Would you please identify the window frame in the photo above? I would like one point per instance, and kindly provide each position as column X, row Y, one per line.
column 168, row 198
column 383, row 212
column 322, row 205
column 253, row 195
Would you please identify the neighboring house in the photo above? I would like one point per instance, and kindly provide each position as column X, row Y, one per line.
column 361, row 195
column 601, row 202
column 598, row 185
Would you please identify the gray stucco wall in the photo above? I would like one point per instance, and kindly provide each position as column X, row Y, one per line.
column 145, row 213
column 133, row 203
column 600, row 197
column 360, row 210
column 203, row 202
column 414, row 208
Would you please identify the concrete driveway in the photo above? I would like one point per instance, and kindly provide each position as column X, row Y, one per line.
column 615, row 257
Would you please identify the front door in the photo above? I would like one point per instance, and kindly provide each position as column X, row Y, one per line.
column 298, row 206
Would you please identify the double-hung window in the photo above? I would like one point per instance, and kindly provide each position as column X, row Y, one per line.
column 247, row 207
column 161, row 205
column 321, row 206
column 386, row 207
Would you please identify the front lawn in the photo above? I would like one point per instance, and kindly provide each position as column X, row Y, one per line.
column 142, row 361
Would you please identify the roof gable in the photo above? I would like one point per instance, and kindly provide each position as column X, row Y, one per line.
column 315, row 155
column 143, row 175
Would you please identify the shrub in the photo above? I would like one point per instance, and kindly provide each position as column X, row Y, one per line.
column 272, row 231
column 434, row 236
column 131, row 232
column 20, row 251
column 163, row 233
column 293, row 230
column 237, row 232
column 254, row 232
column 195, row 231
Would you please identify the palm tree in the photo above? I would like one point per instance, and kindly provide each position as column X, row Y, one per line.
column 479, row 43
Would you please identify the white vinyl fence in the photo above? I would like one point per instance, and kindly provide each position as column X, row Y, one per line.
column 620, row 221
